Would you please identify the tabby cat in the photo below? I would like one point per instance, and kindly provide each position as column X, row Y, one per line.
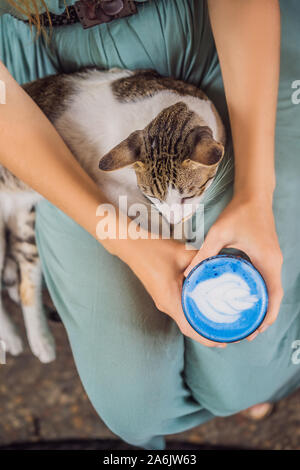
column 157, row 140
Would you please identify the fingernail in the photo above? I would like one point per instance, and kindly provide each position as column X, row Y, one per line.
column 264, row 328
column 253, row 336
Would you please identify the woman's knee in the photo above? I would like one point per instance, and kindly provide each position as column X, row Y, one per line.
column 134, row 421
column 222, row 402
column 133, row 407
column 133, row 381
column 225, row 381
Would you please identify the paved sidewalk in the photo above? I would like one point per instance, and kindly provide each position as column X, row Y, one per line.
column 47, row 402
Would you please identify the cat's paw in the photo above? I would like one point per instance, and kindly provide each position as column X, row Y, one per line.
column 14, row 346
column 12, row 342
column 43, row 347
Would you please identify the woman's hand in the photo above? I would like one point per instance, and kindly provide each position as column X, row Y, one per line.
column 160, row 265
column 248, row 225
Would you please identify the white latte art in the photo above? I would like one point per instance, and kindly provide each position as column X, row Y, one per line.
column 222, row 299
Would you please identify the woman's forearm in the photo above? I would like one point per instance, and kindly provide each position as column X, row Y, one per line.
column 31, row 148
column 247, row 36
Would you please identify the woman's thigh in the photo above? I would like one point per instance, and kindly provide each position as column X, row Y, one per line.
column 129, row 355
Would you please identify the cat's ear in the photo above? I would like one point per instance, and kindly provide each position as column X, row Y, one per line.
column 128, row 152
column 203, row 149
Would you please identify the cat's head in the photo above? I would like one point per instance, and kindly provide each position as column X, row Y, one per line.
column 175, row 159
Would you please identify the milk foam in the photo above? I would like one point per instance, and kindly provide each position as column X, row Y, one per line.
column 222, row 299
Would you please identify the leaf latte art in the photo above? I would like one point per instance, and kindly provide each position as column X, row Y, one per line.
column 224, row 298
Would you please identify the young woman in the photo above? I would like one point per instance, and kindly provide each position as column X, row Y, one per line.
column 149, row 374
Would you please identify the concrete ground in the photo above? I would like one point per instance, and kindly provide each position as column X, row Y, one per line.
column 47, row 403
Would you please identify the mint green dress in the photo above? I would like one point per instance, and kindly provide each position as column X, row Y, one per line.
column 143, row 377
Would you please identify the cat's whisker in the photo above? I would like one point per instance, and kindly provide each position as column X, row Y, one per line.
column 222, row 180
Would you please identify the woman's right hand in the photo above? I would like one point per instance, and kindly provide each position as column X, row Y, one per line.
column 160, row 264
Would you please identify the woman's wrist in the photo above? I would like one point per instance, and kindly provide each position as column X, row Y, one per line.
column 256, row 194
column 120, row 236
column 257, row 191
column 255, row 178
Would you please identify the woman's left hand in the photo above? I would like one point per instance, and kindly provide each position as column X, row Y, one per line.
column 248, row 225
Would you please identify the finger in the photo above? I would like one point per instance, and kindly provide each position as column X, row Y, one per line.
column 253, row 336
column 272, row 276
column 271, row 272
column 212, row 245
column 272, row 313
column 187, row 330
column 275, row 298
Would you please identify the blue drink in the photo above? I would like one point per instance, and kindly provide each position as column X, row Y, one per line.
column 224, row 298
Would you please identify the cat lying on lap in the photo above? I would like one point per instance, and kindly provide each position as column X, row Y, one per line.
column 156, row 140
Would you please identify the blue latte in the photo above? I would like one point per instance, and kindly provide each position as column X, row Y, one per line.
column 225, row 298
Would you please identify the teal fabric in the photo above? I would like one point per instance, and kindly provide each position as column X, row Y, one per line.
column 143, row 377
column 54, row 6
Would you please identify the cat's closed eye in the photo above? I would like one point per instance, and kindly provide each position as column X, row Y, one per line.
column 185, row 199
column 153, row 198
